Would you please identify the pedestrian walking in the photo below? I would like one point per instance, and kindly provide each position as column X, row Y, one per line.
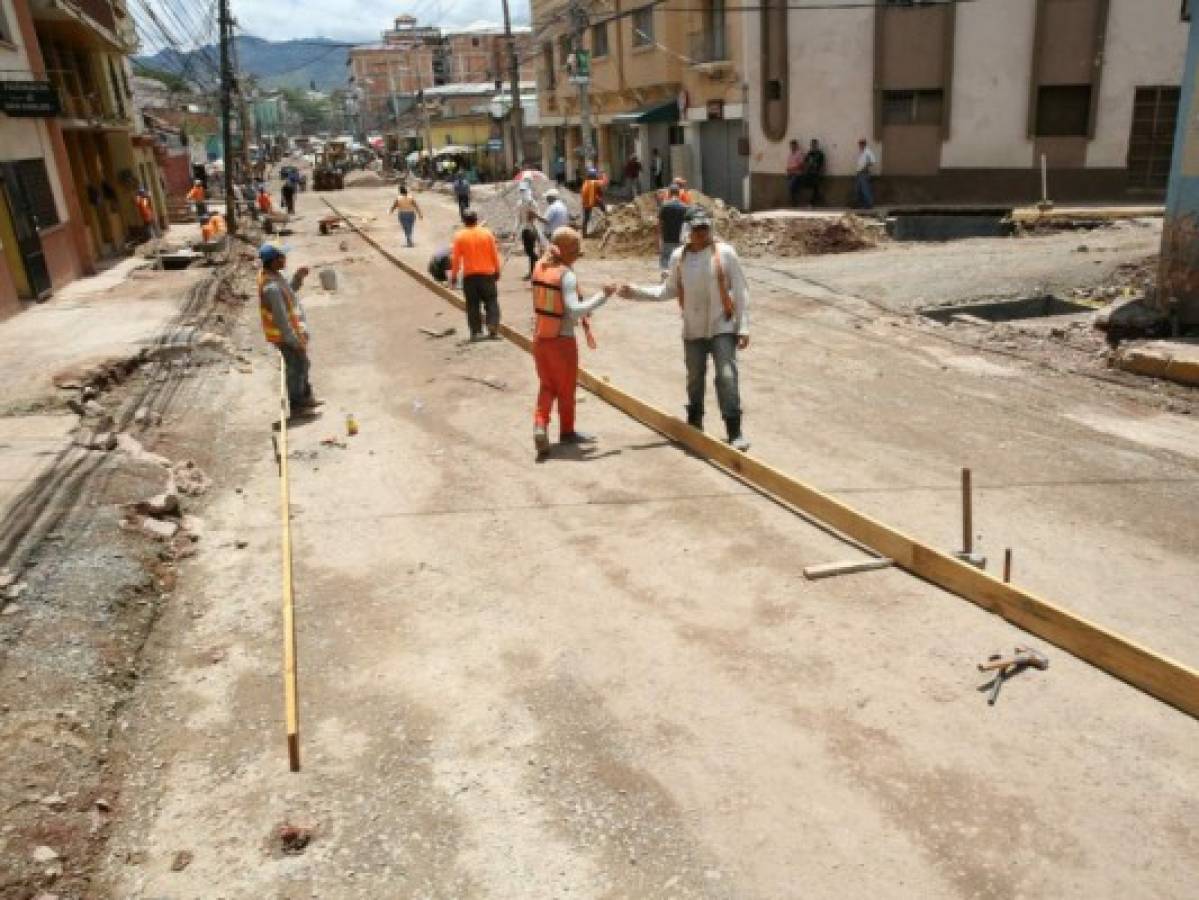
column 530, row 238
column 285, row 326
column 408, row 210
column 671, row 217
column 795, row 170
column 476, row 256
column 862, row 188
column 813, row 171
column 560, row 170
column 705, row 276
column 288, row 193
column 462, row 195
column 249, row 196
column 656, row 169
column 198, row 198
column 557, row 307
column 632, row 173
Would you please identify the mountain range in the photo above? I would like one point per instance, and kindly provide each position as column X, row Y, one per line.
column 275, row 64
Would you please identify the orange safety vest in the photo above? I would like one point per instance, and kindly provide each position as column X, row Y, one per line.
column 146, row 209
column 722, row 281
column 547, row 300
column 592, row 193
column 264, row 202
column 212, row 228
column 196, row 194
column 269, row 328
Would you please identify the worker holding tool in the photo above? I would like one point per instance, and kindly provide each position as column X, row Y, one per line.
column 558, row 307
column 285, row 325
column 592, row 196
column 197, row 198
column 476, row 256
column 705, row 275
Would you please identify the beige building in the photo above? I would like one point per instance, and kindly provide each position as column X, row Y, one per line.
column 662, row 79
column 961, row 100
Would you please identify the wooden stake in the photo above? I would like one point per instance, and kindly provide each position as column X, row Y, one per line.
column 291, row 695
column 1164, row 678
column 967, row 514
column 1007, row 566
column 827, row 570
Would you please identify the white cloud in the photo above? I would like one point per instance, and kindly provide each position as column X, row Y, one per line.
column 363, row 20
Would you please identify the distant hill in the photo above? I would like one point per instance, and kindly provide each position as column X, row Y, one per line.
column 276, row 64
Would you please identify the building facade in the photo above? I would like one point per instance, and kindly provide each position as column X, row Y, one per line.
column 661, row 79
column 961, row 100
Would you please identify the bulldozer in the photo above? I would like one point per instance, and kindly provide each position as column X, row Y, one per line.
column 330, row 169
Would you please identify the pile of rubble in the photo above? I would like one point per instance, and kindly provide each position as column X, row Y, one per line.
column 631, row 230
column 497, row 204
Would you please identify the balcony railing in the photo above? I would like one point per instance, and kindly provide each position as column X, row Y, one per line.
column 77, row 101
column 99, row 10
column 709, row 47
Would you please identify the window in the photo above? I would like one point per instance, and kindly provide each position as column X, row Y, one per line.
column 913, row 107
column 1151, row 141
column 474, row 42
column 1063, row 110
column 547, row 62
column 5, row 31
column 674, row 135
column 35, row 186
column 643, row 26
column 599, row 39
column 563, row 50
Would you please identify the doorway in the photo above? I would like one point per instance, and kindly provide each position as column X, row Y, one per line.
column 26, row 194
column 1151, row 142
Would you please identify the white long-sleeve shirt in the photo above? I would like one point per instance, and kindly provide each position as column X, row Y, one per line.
column 574, row 308
column 703, row 313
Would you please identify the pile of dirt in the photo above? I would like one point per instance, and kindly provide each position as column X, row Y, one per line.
column 497, row 204
column 630, row 230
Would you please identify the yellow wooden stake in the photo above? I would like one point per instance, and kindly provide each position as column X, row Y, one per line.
column 291, row 695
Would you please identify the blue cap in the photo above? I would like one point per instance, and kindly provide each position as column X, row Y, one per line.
column 271, row 252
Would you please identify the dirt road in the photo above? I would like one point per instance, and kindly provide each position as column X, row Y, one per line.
column 604, row 677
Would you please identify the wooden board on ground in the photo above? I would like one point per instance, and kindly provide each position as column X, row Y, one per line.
column 849, row 567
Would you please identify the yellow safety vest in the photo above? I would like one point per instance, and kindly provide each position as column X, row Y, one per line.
column 269, row 327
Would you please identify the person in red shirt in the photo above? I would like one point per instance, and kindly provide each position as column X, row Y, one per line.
column 795, row 172
column 476, row 256
column 264, row 201
column 198, row 198
column 632, row 173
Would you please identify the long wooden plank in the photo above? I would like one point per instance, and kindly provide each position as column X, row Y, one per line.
column 291, row 692
column 1158, row 675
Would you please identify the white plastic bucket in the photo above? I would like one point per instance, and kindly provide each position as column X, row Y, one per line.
column 329, row 279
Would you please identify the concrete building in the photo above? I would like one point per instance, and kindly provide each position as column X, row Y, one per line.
column 960, row 100
column 412, row 58
column 661, row 78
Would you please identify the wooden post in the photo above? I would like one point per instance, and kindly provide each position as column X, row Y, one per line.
column 291, row 697
column 967, row 514
column 1007, row 566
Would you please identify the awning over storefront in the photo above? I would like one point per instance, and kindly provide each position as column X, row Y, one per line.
column 658, row 113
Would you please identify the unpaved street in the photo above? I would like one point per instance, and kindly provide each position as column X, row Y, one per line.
column 604, row 676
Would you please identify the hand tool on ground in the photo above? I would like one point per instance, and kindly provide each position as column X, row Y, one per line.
column 1006, row 667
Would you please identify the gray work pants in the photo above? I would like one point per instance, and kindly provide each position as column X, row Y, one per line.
column 723, row 350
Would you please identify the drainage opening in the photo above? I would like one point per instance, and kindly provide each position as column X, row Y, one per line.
column 1007, row 310
column 930, row 224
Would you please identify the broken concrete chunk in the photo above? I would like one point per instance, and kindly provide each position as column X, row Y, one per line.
column 190, row 478
column 164, row 504
column 94, row 408
column 44, row 854
column 159, row 529
column 133, row 447
column 96, row 440
column 1129, row 315
column 54, row 802
column 210, row 341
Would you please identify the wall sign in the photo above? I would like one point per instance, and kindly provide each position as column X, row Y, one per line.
column 715, row 109
column 31, row 99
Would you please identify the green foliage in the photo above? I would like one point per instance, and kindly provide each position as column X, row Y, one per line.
column 170, row 79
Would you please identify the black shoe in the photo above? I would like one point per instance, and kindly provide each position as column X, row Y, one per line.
column 695, row 418
column 736, row 440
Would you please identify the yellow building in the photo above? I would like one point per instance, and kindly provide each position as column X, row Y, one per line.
column 664, row 77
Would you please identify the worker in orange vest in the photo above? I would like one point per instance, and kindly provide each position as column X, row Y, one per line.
column 592, row 196
column 476, row 256
column 557, row 308
column 212, row 227
column 684, row 195
column 197, row 197
column 145, row 209
column 284, row 324
column 263, row 201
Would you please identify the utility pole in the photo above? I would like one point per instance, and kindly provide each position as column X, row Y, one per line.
column 227, row 116
column 580, row 20
column 518, row 130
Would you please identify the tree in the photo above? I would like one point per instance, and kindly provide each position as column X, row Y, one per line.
column 176, row 84
column 313, row 116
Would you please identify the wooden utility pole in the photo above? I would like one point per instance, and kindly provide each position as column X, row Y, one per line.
column 227, row 115
column 518, row 119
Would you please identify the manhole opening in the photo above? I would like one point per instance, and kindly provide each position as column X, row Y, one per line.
column 1007, row 310
column 932, row 224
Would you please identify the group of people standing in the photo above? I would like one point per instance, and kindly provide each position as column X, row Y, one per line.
column 805, row 171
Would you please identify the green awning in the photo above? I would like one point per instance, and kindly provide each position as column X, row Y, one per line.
column 658, row 113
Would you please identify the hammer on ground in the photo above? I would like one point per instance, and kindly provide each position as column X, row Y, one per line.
column 1005, row 667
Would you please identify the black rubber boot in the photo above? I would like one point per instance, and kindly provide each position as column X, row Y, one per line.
column 736, row 439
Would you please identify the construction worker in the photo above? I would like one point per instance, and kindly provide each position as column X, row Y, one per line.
column 705, row 276
column 285, row 325
column 477, row 256
column 197, row 198
column 263, row 201
column 462, row 195
column 557, row 307
column 145, row 209
column 592, row 196
column 212, row 227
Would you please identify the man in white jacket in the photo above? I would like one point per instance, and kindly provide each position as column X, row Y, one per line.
column 705, row 276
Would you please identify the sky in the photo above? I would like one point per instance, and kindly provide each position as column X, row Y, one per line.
column 363, row 20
